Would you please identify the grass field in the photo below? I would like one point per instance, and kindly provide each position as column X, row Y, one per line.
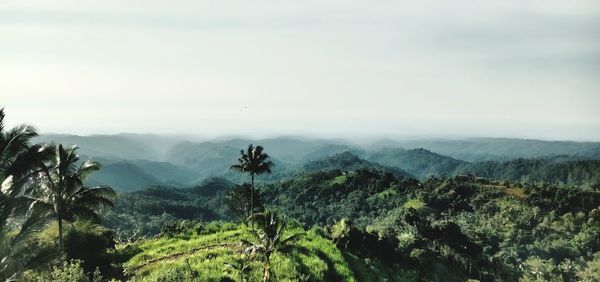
column 214, row 253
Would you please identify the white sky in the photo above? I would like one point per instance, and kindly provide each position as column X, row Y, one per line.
column 330, row 68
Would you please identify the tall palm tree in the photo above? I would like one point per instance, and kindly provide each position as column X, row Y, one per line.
column 19, row 160
column 255, row 162
column 270, row 240
column 62, row 194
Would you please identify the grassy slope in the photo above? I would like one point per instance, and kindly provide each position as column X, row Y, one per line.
column 316, row 258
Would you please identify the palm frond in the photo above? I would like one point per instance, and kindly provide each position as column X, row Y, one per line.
column 83, row 212
column 16, row 140
column 292, row 238
column 2, row 115
column 29, row 162
column 86, row 168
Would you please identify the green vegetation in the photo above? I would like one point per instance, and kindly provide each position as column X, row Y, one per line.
column 61, row 194
column 41, row 182
column 326, row 215
column 254, row 162
column 209, row 252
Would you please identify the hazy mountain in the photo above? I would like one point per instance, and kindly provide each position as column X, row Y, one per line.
column 297, row 149
column 497, row 149
column 121, row 146
column 346, row 162
column 123, row 176
column 288, row 149
column 128, row 175
column 215, row 158
column 418, row 162
column 169, row 173
column 327, row 150
column 134, row 161
column 585, row 173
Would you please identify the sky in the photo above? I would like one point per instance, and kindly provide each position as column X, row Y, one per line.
column 512, row 68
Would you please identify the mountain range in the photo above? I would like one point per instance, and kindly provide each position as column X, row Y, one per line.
column 134, row 161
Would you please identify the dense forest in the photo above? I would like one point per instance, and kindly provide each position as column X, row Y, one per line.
column 296, row 210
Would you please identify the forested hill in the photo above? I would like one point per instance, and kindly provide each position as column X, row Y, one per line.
column 347, row 161
column 496, row 149
column 445, row 226
column 422, row 164
column 442, row 229
column 560, row 173
column 418, row 162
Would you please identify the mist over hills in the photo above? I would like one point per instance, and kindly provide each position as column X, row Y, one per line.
column 125, row 146
column 134, row 161
column 496, row 149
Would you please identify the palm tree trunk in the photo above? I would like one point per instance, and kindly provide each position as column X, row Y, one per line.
column 60, row 235
column 267, row 270
column 252, row 201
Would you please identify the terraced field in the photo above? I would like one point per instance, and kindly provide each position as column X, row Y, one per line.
column 216, row 254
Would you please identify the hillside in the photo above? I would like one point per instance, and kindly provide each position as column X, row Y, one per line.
column 440, row 228
column 496, row 149
column 418, row 162
column 143, row 212
column 467, row 223
column 554, row 171
column 124, row 176
column 211, row 252
column 106, row 146
column 347, row 161
column 130, row 175
column 135, row 161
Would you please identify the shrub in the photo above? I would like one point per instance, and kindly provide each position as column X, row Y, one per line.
column 68, row 271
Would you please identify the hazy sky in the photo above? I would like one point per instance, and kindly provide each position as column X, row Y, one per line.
column 370, row 68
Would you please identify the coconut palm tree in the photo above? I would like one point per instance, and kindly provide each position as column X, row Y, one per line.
column 19, row 160
column 255, row 162
column 270, row 240
column 239, row 201
column 62, row 194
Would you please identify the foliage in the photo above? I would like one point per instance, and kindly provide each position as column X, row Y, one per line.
column 19, row 160
column 367, row 219
column 238, row 201
column 212, row 254
column 68, row 271
column 254, row 162
column 269, row 239
column 461, row 226
column 348, row 161
column 143, row 213
column 61, row 193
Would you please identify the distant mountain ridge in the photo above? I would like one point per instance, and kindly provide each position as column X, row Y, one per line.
column 496, row 149
column 134, row 161
column 347, row 161
column 419, row 162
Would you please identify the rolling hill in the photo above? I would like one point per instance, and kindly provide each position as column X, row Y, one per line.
column 418, row 162
column 347, row 161
column 495, row 149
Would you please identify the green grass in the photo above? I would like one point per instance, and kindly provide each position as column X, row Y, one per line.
column 315, row 258
column 416, row 204
column 339, row 180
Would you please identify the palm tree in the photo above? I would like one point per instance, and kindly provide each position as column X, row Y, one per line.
column 270, row 240
column 239, row 200
column 19, row 160
column 253, row 161
column 62, row 194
